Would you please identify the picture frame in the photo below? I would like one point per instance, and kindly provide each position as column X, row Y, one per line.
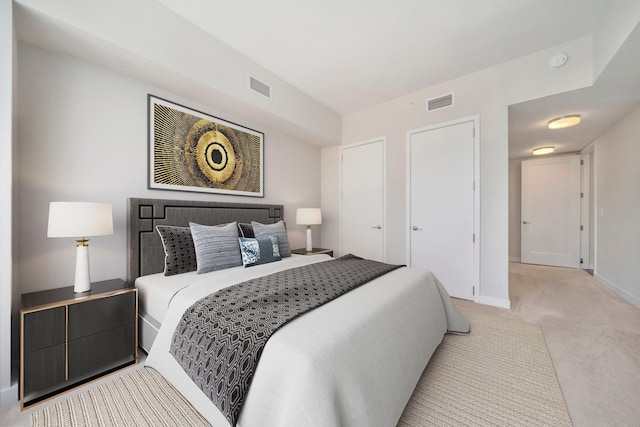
column 193, row 151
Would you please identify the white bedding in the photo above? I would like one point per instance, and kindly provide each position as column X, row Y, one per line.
column 155, row 292
column 352, row 362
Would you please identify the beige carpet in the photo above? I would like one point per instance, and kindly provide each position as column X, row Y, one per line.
column 500, row 374
column 140, row 398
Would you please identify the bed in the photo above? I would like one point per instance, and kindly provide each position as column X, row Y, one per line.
column 351, row 362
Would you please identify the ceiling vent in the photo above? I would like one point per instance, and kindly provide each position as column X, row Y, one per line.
column 260, row 87
column 439, row 102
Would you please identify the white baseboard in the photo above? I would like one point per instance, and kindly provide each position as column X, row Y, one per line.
column 514, row 259
column 9, row 396
column 631, row 299
column 495, row 302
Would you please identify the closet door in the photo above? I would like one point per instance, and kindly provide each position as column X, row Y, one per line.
column 363, row 200
column 442, row 210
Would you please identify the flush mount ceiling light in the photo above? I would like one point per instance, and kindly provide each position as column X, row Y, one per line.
column 557, row 61
column 543, row 150
column 564, row 121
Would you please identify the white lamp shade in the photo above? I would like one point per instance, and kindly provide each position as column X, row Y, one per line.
column 79, row 219
column 308, row 216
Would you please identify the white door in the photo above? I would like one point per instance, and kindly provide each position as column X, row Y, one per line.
column 363, row 200
column 550, row 208
column 442, row 207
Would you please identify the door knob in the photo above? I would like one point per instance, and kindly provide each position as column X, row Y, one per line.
column 416, row 228
column 525, row 222
column 377, row 227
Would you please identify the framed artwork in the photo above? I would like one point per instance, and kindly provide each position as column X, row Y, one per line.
column 193, row 151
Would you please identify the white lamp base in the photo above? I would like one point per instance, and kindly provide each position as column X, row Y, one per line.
column 309, row 245
column 83, row 281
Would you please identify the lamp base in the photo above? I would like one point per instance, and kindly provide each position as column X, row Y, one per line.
column 309, row 247
column 83, row 281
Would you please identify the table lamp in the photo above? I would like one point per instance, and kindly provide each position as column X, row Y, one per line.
column 80, row 219
column 308, row 217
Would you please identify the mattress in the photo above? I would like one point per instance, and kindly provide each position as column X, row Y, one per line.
column 352, row 362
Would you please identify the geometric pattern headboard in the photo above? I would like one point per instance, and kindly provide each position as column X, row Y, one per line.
column 145, row 254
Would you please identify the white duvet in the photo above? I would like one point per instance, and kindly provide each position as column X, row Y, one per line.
column 352, row 362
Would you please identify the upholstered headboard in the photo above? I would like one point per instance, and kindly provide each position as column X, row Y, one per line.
column 145, row 254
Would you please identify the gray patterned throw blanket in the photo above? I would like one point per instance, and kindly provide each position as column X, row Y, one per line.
column 220, row 338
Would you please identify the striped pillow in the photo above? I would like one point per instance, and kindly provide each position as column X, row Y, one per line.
column 217, row 246
column 264, row 230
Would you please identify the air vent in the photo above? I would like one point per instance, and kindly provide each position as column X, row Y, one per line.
column 440, row 102
column 257, row 86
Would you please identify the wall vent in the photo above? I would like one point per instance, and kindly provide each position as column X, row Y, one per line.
column 440, row 102
column 260, row 87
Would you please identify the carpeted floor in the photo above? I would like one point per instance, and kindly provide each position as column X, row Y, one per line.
column 592, row 334
column 500, row 374
column 141, row 398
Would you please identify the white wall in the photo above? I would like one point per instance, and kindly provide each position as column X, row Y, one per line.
column 8, row 393
column 488, row 93
column 82, row 136
column 617, row 183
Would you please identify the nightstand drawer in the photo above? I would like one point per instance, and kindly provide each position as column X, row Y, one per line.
column 46, row 328
column 100, row 315
column 97, row 353
column 46, row 368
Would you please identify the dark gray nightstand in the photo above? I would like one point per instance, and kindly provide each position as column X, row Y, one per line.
column 314, row 251
column 67, row 338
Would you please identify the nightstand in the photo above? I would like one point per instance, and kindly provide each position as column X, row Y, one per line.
column 67, row 338
column 314, row 251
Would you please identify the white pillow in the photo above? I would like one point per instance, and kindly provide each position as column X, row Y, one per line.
column 262, row 231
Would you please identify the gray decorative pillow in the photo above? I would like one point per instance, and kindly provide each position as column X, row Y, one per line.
column 278, row 230
column 216, row 246
column 179, row 252
column 259, row 251
column 246, row 230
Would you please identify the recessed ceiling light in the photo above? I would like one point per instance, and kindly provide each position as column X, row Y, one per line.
column 564, row 121
column 543, row 150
